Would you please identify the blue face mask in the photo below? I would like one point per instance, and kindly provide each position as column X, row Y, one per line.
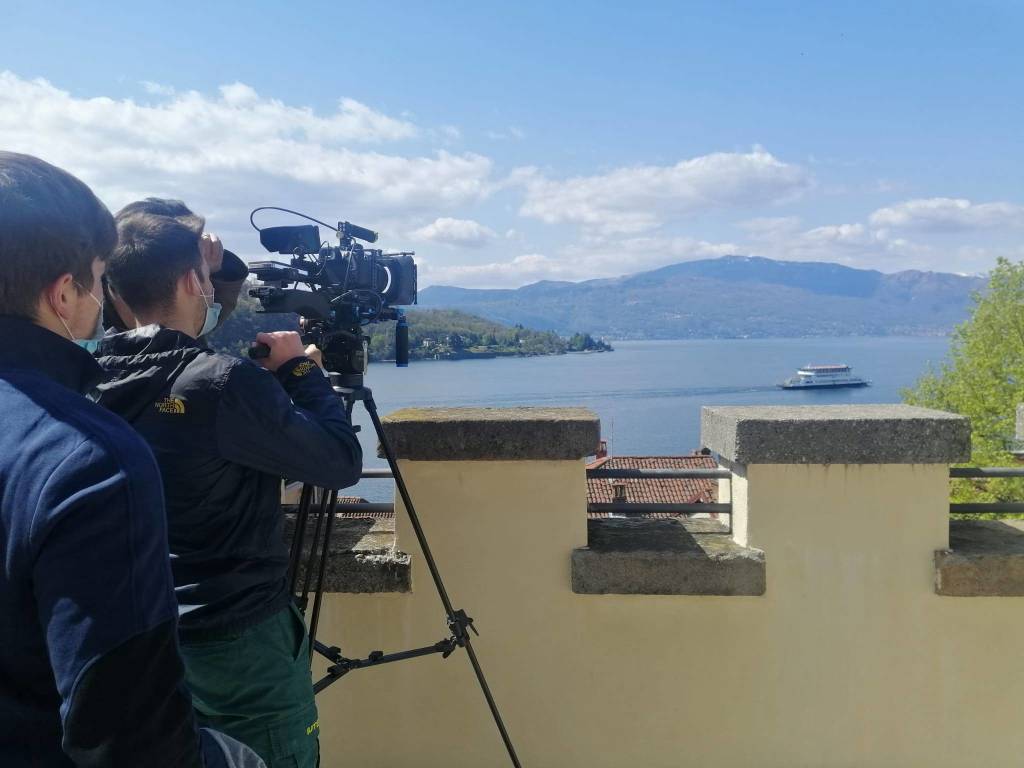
column 92, row 343
column 212, row 316
column 89, row 345
column 212, row 311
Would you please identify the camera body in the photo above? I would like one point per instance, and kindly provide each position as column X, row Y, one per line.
column 347, row 286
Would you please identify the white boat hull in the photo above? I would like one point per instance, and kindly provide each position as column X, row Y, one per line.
column 825, row 384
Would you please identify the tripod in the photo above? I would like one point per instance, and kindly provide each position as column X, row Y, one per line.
column 459, row 624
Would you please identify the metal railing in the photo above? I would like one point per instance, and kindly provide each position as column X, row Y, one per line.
column 630, row 508
column 377, row 474
column 616, row 508
column 368, row 507
column 365, row 507
column 986, row 507
column 627, row 508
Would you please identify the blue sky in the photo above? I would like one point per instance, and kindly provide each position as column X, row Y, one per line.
column 547, row 140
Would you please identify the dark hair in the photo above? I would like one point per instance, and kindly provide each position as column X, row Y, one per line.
column 160, row 206
column 152, row 253
column 51, row 224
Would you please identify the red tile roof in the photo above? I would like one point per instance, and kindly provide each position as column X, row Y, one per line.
column 650, row 490
column 647, row 490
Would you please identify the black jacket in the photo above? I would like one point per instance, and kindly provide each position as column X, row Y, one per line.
column 224, row 432
column 89, row 666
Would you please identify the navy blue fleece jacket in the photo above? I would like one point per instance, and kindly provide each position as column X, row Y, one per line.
column 89, row 668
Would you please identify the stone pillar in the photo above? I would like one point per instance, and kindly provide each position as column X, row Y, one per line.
column 831, row 475
column 849, row 505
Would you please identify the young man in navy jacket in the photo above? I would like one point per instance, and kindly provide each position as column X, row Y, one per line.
column 89, row 669
column 225, row 431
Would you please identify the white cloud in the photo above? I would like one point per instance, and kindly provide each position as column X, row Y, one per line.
column 639, row 254
column 638, row 198
column 226, row 152
column 947, row 235
column 521, row 270
column 854, row 244
column 157, row 89
column 976, row 260
column 579, row 262
column 450, row 133
column 949, row 214
column 839, row 235
column 510, row 133
column 462, row 232
column 771, row 226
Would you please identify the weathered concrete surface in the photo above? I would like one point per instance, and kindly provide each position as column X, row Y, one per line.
column 665, row 557
column 495, row 434
column 985, row 558
column 362, row 556
column 835, row 434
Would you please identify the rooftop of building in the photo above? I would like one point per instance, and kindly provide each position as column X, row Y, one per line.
column 652, row 490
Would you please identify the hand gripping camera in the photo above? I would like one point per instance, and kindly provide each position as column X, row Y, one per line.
column 345, row 287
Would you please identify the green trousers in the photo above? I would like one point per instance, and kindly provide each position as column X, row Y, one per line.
column 255, row 685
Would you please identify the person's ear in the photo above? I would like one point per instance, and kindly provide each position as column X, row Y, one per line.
column 61, row 296
column 189, row 283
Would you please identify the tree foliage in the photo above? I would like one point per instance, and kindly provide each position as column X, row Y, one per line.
column 983, row 378
column 441, row 334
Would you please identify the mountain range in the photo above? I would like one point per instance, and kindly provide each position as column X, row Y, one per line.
column 729, row 297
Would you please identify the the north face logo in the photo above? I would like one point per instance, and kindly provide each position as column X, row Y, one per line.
column 170, row 405
column 303, row 368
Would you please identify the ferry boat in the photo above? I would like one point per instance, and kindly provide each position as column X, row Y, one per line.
column 824, row 376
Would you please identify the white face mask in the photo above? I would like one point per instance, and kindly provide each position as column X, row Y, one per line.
column 212, row 309
column 92, row 342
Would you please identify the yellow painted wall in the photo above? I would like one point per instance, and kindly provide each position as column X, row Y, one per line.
column 850, row 659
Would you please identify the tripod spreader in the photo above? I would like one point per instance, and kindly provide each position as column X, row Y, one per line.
column 341, row 665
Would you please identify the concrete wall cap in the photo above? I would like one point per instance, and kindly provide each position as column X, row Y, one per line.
column 835, row 434
column 665, row 557
column 496, row 434
column 985, row 559
column 361, row 558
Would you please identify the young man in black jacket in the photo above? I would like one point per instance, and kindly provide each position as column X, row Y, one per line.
column 89, row 669
column 225, row 431
column 227, row 271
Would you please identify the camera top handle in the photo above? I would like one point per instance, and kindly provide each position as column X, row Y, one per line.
column 285, row 240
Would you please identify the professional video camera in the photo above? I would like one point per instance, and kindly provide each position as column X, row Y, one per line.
column 349, row 286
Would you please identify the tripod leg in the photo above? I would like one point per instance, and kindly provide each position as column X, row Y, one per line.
column 491, row 703
column 460, row 628
column 298, row 537
column 311, row 560
column 318, row 598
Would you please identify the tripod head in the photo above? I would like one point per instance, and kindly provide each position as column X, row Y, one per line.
column 345, row 383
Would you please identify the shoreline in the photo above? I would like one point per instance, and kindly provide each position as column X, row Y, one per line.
column 492, row 356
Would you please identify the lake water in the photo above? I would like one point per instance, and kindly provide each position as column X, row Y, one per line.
column 648, row 394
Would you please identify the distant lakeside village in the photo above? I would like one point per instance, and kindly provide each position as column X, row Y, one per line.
column 434, row 334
